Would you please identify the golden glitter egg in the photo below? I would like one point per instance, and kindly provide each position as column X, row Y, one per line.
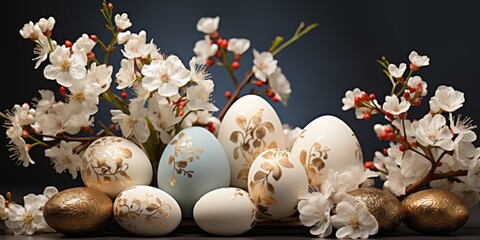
column 435, row 211
column 78, row 211
column 385, row 207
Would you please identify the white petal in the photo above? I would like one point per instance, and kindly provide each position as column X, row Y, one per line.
column 50, row 191
column 151, row 83
column 167, row 90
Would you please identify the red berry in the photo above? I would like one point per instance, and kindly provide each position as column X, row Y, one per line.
column 413, row 67
column 406, row 95
column 91, row 55
column 383, row 135
column 214, row 35
column 124, row 94
column 369, row 165
column 235, row 65
column 181, row 113
column 270, row 94
column 366, row 116
column 110, row 6
column 364, row 96
column 181, row 103
column 390, row 116
column 211, row 41
column 357, row 101
column 209, row 124
column 402, row 148
column 93, row 37
column 402, row 138
column 228, row 94
column 372, row 96
column 63, row 91
column 219, row 41
column 391, row 136
column 211, row 129
column 388, row 128
column 439, row 164
column 413, row 144
column 112, row 127
column 237, row 57
column 210, row 62
column 7, row 202
column 218, row 54
column 259, row 83
column 417, row 102
column 9, row 194
column 275, row 99
column 401, row 79
column 48, row 33
column 385, row 151
column 24, row 134
column 224, row 44
column 68, row 44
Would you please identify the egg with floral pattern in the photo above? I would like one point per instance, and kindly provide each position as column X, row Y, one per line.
column 112, row 164
column 192, row 164
column 249, row 127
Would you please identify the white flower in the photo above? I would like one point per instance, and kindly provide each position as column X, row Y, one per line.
column 123, row 37
column 101, row 75
column 416, row 82
column 446, row 99
column 417, row 60
column 151, row 51
column 52, row 122
column 133, row 125
column 349, row 99
column 45, row 103
column 473, row 175
column 42, row 49
column 395, row 182
column 199, row 96
column 165, row 75
column 204, row 49
column 264, row 65
column 20, row 152
column 135, row 45
column 444, row 184
column 64, row 158
column 198, row 72
column 432, row 131
column 280, row 86
column 66, row 68
column 379, row 162
column 291, row 135
column 15, row 131
column 464, row 156
column 22, row 115
column 361, row 111
column 163, row 121
column 122, row 21
column 84, row 44
column 238, row 45
column 394, row 107
column 208, row 25
column 414, row 167
column 126, row 75
column 470, row 195
column 29, row 31
column 397, row 72
column 26, row 220
column 3, row 209
column 462, row 128
column 83, row 97
column 315, row 211
column 354, row 221
column 46, row 24
column 76, row 122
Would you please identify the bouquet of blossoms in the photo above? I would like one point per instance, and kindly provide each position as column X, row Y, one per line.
column 435, row 150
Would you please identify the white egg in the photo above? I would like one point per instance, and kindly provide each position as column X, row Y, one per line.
column 327, row 143
column 147, row 211
column 112, row 164
column 275, row 181
column 225, row 211
column 249, row 127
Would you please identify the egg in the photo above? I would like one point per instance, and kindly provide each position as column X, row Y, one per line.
column 147, row 211
column 327, row 143
column 112, row 164
column 78, row 211
column 275, row 181
column 192, row 164
column 249, row 127
column 225, row 211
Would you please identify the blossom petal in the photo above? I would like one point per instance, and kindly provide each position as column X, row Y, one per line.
column 167, row 89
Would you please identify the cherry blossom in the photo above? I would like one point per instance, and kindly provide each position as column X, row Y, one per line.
column 46, row 24
column 64, row 158
column 394, row 107
column 199, row 96
column 126, row 75
column 349, row 99
column 315, row 211
column 204, row 50
column 133, row 125
column 122, row 21
column 432, row 131
column 446, row 99
column 353, row 220
column 264, row 65
column 280, row 86
column 238, row 45
column 101, row 75
column 165, row 75
column 208, row 25
column 418, row 60
column 135, row 46
column 66, row 68
column 84, row 44
column 397, row 72
column 415, row 82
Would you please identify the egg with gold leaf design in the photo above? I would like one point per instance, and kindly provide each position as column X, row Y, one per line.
column 275, row 181
column 327, row 143
column 147, row 211
column 192, row 164
column 112, row 164
column 249, row 127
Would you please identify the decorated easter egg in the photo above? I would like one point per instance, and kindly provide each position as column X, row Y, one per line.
column 112, row 164
column 249, row 127
column 225, row 211
column 327, row 143
column 78, row 211
column 275, row 181
column 192, row 164
column 147, row 211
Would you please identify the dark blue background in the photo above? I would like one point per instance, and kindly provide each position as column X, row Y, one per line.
column 338, row 56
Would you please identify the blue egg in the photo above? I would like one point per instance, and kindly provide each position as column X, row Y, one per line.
column 192, row 164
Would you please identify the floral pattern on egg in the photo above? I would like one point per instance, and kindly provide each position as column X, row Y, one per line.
column 186, row 152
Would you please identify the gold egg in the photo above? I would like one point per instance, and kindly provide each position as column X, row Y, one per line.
column 385, row 207
column 78, row 211
column 435, row 211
